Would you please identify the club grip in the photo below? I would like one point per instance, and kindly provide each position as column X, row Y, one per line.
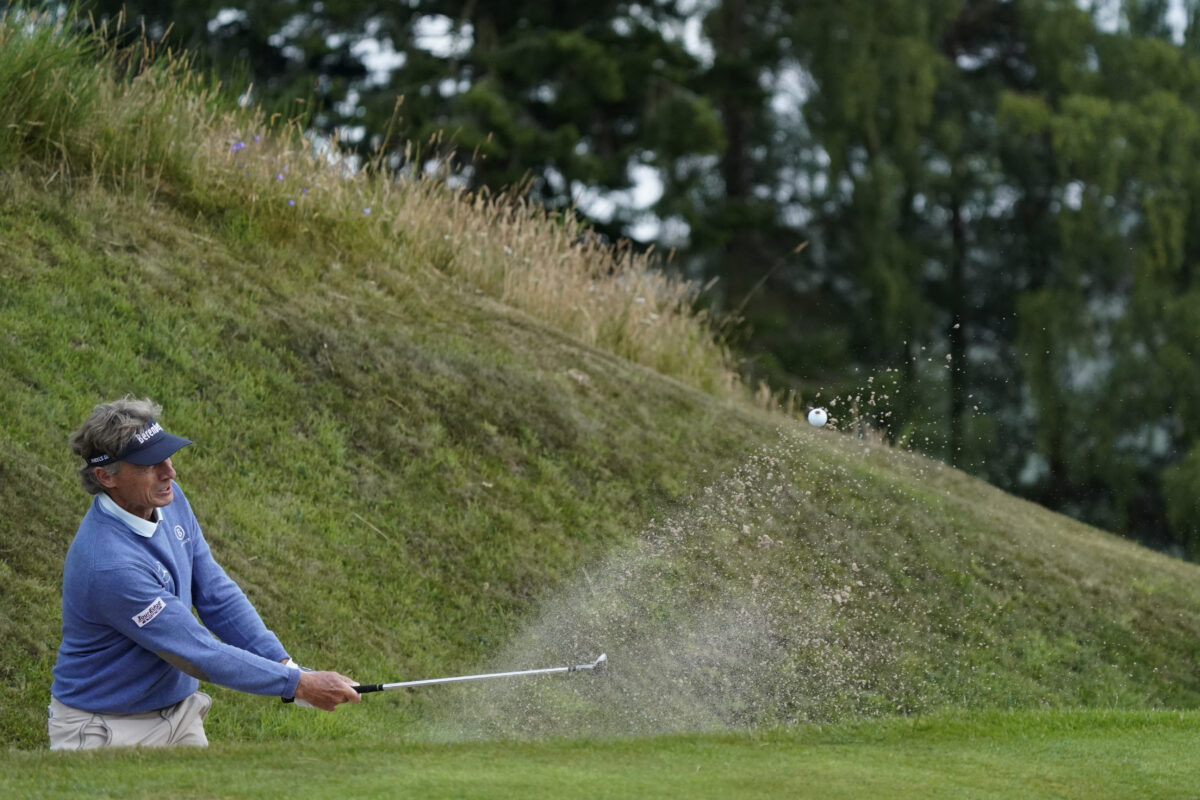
column 365, row 688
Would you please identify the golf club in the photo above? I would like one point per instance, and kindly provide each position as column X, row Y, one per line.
column 598, row 664
column 595, row 666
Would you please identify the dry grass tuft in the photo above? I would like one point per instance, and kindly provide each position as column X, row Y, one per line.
column 146, row 123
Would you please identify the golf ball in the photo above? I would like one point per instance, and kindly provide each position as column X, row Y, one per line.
column 817, row 417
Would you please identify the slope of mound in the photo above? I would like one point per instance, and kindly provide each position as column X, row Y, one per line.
column 392, row 468
column 412, row 478
column 824, row 579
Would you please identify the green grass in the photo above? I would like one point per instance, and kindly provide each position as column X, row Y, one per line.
column 414, row 452
column 1066, row 754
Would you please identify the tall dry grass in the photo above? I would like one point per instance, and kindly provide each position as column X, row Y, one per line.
column 78, row 108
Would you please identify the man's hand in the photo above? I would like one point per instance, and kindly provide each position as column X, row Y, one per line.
column 325, row 690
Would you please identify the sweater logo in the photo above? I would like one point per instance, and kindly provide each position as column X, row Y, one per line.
column 151, row 611
column 179, row 533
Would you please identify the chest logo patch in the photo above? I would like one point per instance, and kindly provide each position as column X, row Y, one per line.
column 143, row 618
column 179, row 534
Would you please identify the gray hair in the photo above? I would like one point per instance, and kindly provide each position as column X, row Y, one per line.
column 108, row 429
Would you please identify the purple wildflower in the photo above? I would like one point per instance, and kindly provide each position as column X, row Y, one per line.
column 367, row 210
column 291, row 202
column 237, row 146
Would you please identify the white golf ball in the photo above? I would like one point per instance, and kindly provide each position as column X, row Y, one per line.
column 817, row 417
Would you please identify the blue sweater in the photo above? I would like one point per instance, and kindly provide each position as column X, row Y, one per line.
column 130, row 641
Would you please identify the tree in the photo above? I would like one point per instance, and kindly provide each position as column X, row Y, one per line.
column 565, row 96
column 1107, row 335
column 1007, row 186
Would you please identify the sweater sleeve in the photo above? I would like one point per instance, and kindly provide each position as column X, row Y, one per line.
column 130, row 599
column 225, row 609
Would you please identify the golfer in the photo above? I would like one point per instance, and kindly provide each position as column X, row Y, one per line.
column 132, row 652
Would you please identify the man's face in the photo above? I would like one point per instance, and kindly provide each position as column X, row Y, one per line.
column 139, row 490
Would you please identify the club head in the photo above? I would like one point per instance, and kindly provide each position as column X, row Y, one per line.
column 595, row 666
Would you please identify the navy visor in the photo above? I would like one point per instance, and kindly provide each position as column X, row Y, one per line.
column 151, row 445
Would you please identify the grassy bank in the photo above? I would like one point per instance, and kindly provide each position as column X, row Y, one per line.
column 393, row 474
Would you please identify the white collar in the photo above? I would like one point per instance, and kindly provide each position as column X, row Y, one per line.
column 142, row 527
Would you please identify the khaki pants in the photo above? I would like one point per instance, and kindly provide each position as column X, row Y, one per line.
column 180, row 724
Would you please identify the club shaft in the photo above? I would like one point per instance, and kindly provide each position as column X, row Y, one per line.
column 383, row 687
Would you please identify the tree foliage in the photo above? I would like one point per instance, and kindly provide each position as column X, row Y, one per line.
column 570, row 97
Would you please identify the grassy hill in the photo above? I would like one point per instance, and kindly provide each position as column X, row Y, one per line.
column 437, row 433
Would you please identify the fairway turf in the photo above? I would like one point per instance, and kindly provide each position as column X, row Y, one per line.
column 1049, row 754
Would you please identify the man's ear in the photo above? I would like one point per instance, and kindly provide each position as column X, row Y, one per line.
column 103, row 478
